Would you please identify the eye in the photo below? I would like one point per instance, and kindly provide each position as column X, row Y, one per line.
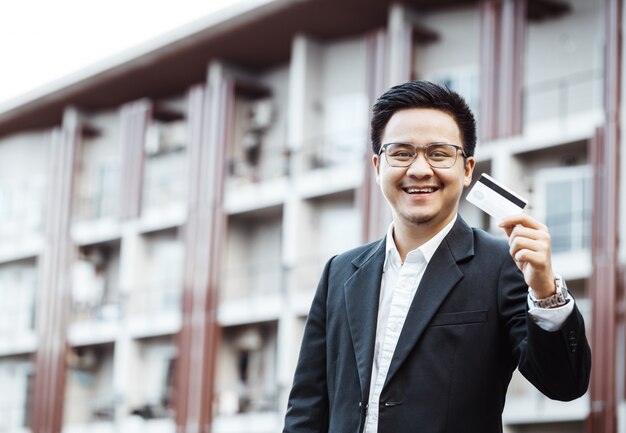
column 438, row 154
column 401, row 154
column 441, row 152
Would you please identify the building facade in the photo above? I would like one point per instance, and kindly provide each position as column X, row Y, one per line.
column 164, row 218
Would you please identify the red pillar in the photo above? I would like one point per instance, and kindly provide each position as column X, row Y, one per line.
column 54, row 287
column 502, row 65
column 605, row 157
column 208, row 116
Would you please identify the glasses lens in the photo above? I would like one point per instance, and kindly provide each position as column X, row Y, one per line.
column 400, row 155
column 441, row 155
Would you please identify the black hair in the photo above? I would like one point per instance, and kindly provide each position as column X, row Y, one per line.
column 423, row 94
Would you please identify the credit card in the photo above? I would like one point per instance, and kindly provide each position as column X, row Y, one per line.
column 495, row 199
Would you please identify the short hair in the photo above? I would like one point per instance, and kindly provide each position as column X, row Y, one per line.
column 423, row 94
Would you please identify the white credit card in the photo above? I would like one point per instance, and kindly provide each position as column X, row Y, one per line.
column 495, row 199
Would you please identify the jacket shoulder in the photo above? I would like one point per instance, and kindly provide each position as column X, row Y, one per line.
column 491, row 247
column 360, row 253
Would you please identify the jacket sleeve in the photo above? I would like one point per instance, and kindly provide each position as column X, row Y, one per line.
column 557, row 363
column 307, row 409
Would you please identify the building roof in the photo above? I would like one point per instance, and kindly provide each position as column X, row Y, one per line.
column 256, row 35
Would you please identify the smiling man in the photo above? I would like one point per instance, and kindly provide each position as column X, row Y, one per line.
column 421, row 331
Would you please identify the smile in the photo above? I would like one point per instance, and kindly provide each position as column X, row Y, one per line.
column 422, row 190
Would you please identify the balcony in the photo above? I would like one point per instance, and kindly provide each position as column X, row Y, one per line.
column 165, row 188
column 90, row 402
column 246, row 392
column 567, row 104
column 16, row 378
column 96, row 301
column 155, row 309
column 251, row 293
column 564, row 201
column 244, row 400
column 18, row 286
column 94, row 323
column 21, row 218
column 17, row 327
column 13, row 418
column 256, row 184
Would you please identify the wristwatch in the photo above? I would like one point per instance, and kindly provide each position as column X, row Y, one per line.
column 560, row 298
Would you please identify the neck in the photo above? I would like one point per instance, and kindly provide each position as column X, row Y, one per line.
column 408, row 237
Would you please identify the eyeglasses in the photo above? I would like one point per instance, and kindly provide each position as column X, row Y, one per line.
column 438, row 155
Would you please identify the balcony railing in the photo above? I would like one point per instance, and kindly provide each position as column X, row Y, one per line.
column 99, row 204
column 91, row 408
column 240, row 400
column 341, row 148
column 562, row 97
column 267, row 163
column 305, row 276
column 17, row 317
column 97, row 193
column 21, row 209
column 106, row 311
column 13, row 417
column 252, row 281
column 165, row 180
column 150, row 301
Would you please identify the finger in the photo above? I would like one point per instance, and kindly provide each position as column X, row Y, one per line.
column 537, row 260
column 524, row 220
column 525, row 232
column 520, row 244
column 508, row 230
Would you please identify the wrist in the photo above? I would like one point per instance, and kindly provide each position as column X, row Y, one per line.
column 558, row 298
column 547, row 288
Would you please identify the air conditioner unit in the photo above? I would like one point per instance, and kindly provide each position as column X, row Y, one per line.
column 261, row 114
column 165, row 137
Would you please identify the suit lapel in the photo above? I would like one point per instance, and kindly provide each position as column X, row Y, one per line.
column 362, row 293
column 441, row 275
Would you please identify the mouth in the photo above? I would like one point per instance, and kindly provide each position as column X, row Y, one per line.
column 413, row 190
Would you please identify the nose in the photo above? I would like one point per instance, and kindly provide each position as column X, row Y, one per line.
column 420, row 167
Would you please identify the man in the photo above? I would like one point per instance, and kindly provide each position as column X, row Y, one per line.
column 421, row 331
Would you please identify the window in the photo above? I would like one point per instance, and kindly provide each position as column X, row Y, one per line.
column 564, row 203
column 463, row 80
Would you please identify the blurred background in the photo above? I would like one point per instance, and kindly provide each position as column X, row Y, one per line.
column 166, row 210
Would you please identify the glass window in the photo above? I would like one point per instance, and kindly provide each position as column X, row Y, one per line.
column 565, row 199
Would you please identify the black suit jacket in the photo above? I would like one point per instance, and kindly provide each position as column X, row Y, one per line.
column 466, row 331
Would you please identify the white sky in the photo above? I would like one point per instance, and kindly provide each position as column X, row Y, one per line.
column 44, row 40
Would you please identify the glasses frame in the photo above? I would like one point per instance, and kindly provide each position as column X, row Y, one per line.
column 383, row 149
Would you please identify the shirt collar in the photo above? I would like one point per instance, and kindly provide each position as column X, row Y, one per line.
column 427, row 249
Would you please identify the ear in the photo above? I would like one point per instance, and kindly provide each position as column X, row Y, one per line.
column 470, row 163
column 376, row 163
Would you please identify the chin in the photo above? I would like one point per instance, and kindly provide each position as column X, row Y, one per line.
column 420, row 219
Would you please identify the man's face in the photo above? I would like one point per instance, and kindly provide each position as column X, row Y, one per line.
column 421, row 196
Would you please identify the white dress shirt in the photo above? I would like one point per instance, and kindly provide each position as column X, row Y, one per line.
column 398, row 286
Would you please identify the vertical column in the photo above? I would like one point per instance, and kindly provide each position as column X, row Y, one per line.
column 54, row 295
column 209, row 115
column 502, row 63
column 376, row 213
column 304, row 76
column 400, row 39
column 304, row 87
column 134, row 118
column 621, row 328
column 608, row 311
column 126, row 358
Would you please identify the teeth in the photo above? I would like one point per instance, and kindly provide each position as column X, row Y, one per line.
column 418, row 190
